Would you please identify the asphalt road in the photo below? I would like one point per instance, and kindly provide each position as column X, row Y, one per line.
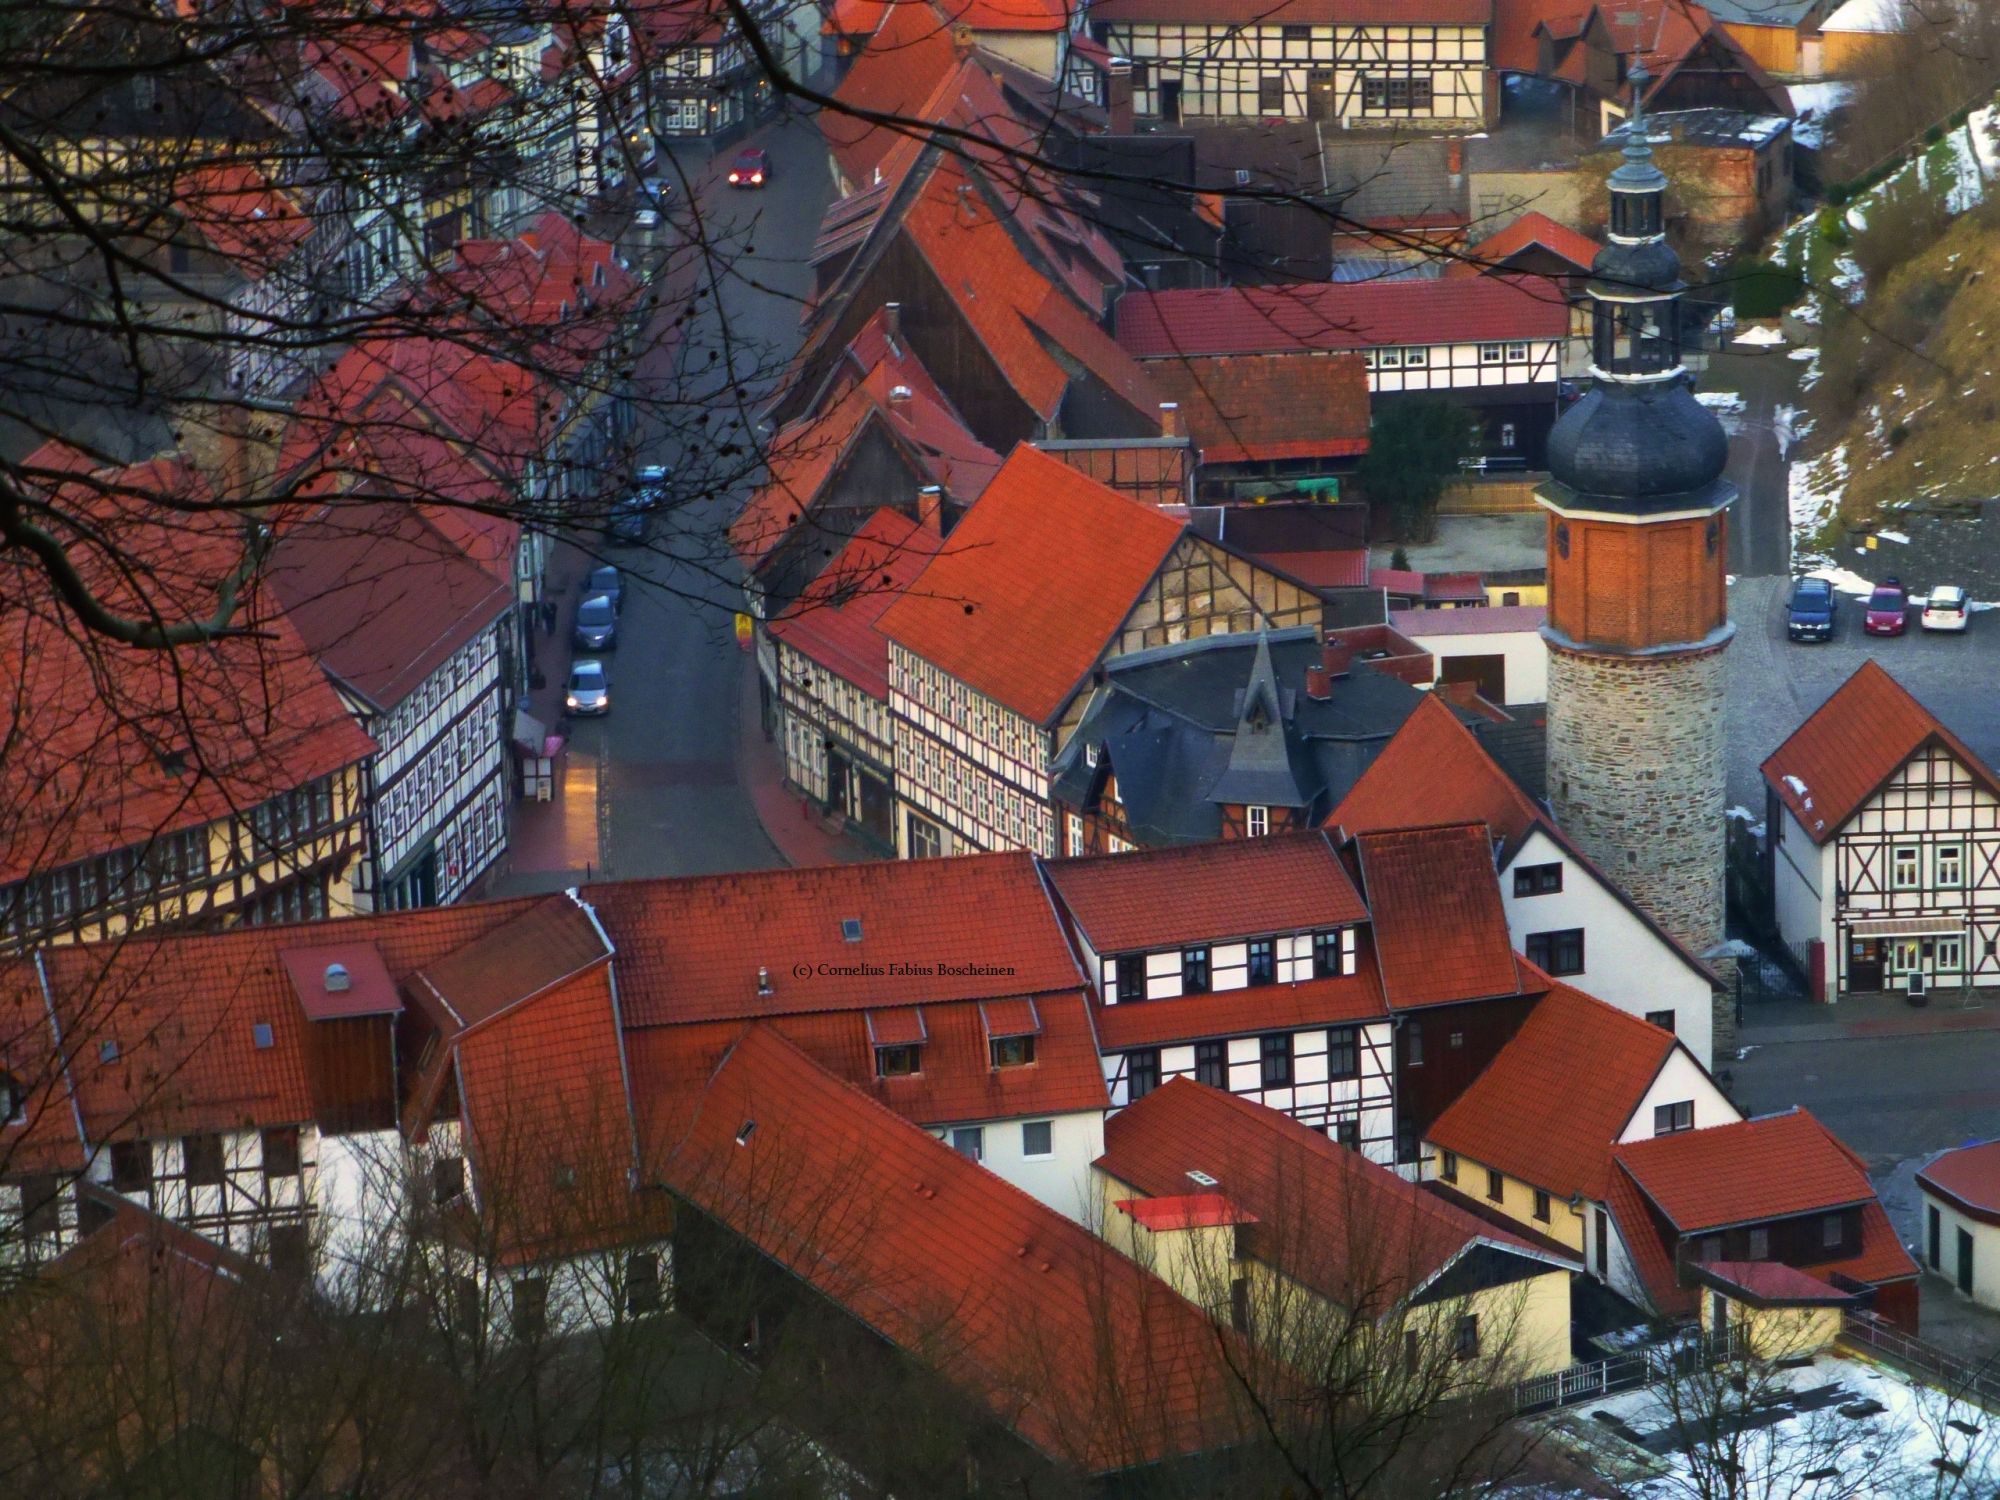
column 1760, row 537
column 671, row 803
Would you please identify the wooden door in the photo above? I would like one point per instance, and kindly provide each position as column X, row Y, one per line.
column 1965, row 1262
column 1321, row 103
column 1864, row 964
column 1603, row 1244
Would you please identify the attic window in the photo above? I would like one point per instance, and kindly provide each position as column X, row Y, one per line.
column 107, row 1051
column 749, row 1129
column 261, row 1035
column 850, row 929
column 1201, row 1179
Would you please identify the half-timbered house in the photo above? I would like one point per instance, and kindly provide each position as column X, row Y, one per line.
column 1883, row 846
column 991, row 651
column 1490, row 343
column 1348, row 63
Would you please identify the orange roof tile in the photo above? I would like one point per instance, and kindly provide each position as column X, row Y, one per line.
column 1537, row 228
column 1184, row 1211
column 1342, row 1001
column 1254, row 407
column 833, row 621
column 1326, row 1216
column 1767, row 1168
column 956, row 1081
column 235, row 208
column 45, row 1135
column 1206, row 892
column 1039, row 576
column 690, row 950
column 1434, row 771
column 1440, row 930
column 1549, row 1109
column 552, row 941
column 1851, row 745
column 940, row 1257
column 1970, row 1177
column 908, row 61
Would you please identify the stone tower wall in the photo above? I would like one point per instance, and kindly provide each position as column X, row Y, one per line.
column 1636, row 778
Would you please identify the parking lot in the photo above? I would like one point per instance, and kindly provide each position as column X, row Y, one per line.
column 1774, row 683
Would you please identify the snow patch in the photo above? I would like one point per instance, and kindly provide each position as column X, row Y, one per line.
column 1762, row 338
column 1893, row 536
column 1807, row 353
column 1722, row 401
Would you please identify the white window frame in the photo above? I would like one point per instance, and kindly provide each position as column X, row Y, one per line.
column 1956, row 853
column 1906, row 858
column 1026, row 1126
column 1508, row 435
column 1491, row 354
column 1257, row 821
column 1950, row 955
column 1517, row 352
column 1390, row 359
column 1416, row 359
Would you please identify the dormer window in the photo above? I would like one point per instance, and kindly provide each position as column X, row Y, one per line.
column 13, row 1101
column 899, row 1061
column 1131, row 978
column 1012, row 1051
column 1329, row 953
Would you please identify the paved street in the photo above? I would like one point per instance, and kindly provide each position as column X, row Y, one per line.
column 1760, row 536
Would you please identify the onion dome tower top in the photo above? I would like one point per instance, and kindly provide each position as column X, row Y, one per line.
column 1638, row 442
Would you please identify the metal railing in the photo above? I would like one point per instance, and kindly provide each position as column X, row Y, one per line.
column 1870, row 1334
column 1673, row 1357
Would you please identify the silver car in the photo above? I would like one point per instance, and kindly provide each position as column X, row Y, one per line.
column 596, row 624
column 589, row 690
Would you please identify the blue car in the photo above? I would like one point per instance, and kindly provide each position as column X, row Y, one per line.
column 1810, row 617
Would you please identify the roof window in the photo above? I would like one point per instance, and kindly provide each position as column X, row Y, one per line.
column 850, row 929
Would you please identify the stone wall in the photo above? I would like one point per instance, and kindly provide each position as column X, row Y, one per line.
column 1636, row 778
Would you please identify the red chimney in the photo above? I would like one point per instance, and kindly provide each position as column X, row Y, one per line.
column 1319, row 686
column 930, row 508
column 892, row 324
column 1454, row 155
column 1336, row 655
column 1118, row 97
column 1170, row 419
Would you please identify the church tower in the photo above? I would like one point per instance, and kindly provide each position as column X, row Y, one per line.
column 1638, row 609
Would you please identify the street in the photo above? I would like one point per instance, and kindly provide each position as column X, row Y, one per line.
column 1760, row 536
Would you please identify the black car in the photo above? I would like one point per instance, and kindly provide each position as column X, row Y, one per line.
column 628, row 519
column 608, row 582
column 596, row 624
column 1810, row 616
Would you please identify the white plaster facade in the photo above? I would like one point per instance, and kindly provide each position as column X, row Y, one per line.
column 1059, row 1178
column 1524, row 657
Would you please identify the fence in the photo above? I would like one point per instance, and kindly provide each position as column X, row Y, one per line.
column 1870, row 1334
column 1489, row 497
column 1622, row 1372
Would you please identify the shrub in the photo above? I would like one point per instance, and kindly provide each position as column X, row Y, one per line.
column 1839, row 194
column 1934, row 135
column 1762, row 289
column 1897, row 434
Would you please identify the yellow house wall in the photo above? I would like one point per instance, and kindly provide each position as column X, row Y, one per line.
column 1532, row 1317
column 1774, row 48
column 1517, row 1201
column 1529, row 593
column 1855, row 54
column 1777, row 1332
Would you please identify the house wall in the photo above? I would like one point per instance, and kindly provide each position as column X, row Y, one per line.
column 1462, row 367
column 1061, row 1180
column 1498, row 198
column 1529, row 1320
column 1775, row 1332
column 1802, row 879
column 1517, row 1197
column 1680, row 1080
column 1456, row 1042
column 1305, row 72
column 1524, row 654
column 1985, row 1248
column 1625, row 963
column 240, row 1210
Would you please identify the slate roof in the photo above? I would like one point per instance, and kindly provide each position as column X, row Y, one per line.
column 1039, row 576
column 1258, row 408
column 833, row 620
column 1234, row 888
column 1549, row 1108
column 690, row 949
column 1394, row 178
column 1440, row 930
column 1325, row 1216
column 1167, row 718
column 1108, row 1368
column 1850, row 746
column 1336, row 316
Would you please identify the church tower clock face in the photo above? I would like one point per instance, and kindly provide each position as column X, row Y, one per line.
column 1638, row 606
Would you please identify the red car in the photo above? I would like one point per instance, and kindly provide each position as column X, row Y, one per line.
column 751, row 169
column 1887, row 608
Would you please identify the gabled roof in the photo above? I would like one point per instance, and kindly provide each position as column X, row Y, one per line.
column 1258, row 407
column 1087, row 1357
column 906, row 64
column 1549, row 1108
column 1233, row 888
column 1772, row 1167
column 1851, row 745
column 1333, row 316
column 1039, row 577
column 691, row 949
column 234, row 207
column 833, row 620
column 1440, row 930
column 956, row 1081
column 1325, row 1216
column 552, row 941
column 1537, row 228
column 1434, row 771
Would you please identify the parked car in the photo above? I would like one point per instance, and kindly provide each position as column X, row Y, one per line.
column 596, row 624
column 752, row 168
column 1888, row 609
column 1811, row 614
column 652, row 481
column 589, row 690
column 1946, row 609
column 650, row 199
column 628, row 519
column 608, row 582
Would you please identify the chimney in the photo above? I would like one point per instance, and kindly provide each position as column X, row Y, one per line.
column 1336, row 656
column 930, row 508
column 1319, row 686
column 1454, row 155
column 892, row 324
column 1170, row 419
column 963, row 41
column 1118, row 97
column 899, row 393
column 337, row 981
column 764, row 982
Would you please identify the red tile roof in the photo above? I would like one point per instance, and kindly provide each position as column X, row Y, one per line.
column 1851, row 745
column 370, row 990
column 1767, row 1168
column 1255, row 407
column 956, row 1082
column 1185, row 1211
column 1007, row 15
column 1770, row 1283
column 1882, row 1257
column 235, row 208
column 1490, row 619
column 1549, row 1109
column 1155, row 898
column 690, row 950
column 1339, row 315
column 1011, row 1018
column 1400, row 581
column 1031, row 592
column 380, row 595
column 1326, row 570
column 1299, row 12
column 1440, row 930
column 1326, row 1216
column 1537, row 228
column 833, row 621
column 1107, row 1368
column 1341, row 1001
column 1970, row 1177
column 554, row 940
column 46, row 1136
column 130, row 743
column 1434, row 771
column 908, row 61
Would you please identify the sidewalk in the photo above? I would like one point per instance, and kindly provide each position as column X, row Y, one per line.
column 1859, row 1017
column 790, row 822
